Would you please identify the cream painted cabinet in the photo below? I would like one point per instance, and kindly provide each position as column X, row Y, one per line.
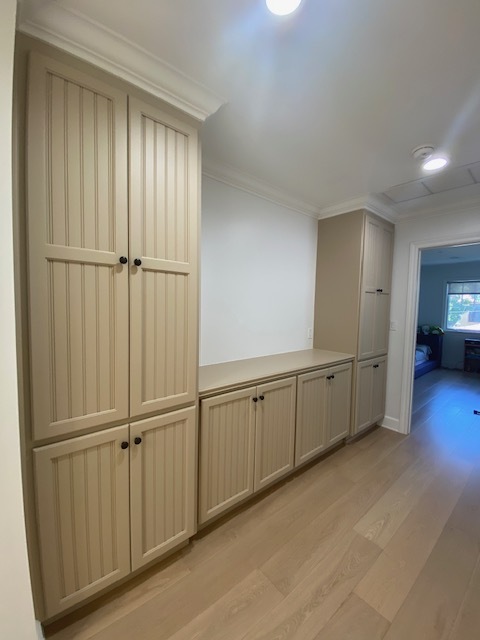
column 375, row 289
column 227, row 449
column 163, row 253
column 77, row 233
column 275, row 431
column 112, row 501
column 370, row 400
column 162, row 483
column 113, row 281
column 323, row 410
column 352, row 295
column 247, row 442
column 83, row 516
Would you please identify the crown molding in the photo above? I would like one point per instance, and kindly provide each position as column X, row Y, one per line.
column 369, row 202
column 234, row 178
column 89, row 40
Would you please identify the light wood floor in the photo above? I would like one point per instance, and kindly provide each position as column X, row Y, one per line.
column 380, row 540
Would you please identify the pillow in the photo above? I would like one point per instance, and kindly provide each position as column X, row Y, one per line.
column 424, row 348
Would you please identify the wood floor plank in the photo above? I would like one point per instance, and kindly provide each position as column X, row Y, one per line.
column 355, row 620
column 467, row 623
column 388, row 583
column 381, row 522
column 432, row 606
column 235, row 612
column 292, row 562
column 311, row 605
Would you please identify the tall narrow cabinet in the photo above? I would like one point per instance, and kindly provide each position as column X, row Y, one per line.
column 112, row 223
column 352, row 303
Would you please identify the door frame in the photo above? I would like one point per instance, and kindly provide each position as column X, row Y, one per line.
column 413, row 294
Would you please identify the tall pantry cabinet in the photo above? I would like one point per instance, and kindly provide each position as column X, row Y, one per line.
column 112, row 208
column 352, row 303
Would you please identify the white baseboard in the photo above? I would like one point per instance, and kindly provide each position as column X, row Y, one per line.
column 391, row 423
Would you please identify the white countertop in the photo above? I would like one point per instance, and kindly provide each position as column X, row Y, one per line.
column 239, row 373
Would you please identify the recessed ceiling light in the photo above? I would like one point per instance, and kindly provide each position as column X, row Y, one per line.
column 434, row 163
column 283, row 7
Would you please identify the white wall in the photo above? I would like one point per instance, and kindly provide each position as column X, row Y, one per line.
column 16, row 610
column 431, row 307
column 258, row 276
column 441, row 229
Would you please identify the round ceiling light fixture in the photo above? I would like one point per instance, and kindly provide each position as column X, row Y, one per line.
column 282, row 7
column 434, row 163
column 431, row 161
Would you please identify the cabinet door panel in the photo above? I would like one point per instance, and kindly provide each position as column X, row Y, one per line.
column 370, row 254
column 385, row 255
column 77, row 230
column 364, row 395
column 163, row 236
column 366, row 337
column 162, row 484
column 339, row 402
column 311, row 415
column 381, row 324
column 275, row 431
column 83, row 516
column 227, row 432
column 378, row 393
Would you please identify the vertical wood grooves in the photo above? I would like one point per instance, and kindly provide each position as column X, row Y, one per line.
column 100, row 512
column 51, row 326
column 112, row 210
column 72, row 524
column 114, row 492
column 58, row 530
column 95, row 165
column 82, row 168
column 87, row 519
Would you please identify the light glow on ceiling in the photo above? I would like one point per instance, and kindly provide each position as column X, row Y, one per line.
column 434, row 163
column 282, row 7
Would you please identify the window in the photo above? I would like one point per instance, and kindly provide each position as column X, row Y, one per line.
column 463, row 306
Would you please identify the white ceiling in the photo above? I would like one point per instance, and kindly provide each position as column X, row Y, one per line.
column 324, row 105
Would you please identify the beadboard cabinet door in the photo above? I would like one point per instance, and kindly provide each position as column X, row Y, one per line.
column 83, row 516
column 163, row 252
column 77, row 220
column 162, row 483
column 339, row 395
column 311, row 415
column 227, row 441
column 370, row 400
column 275, row 431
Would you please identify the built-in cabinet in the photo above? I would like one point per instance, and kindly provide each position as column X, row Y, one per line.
column 371, row 385
column 112, row 211
column 252, row 437
column 352, row 300
column 323, row 410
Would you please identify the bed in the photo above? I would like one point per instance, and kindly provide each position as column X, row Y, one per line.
column 428, row 353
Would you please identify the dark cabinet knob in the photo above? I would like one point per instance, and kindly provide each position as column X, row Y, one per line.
column 375, row 366
column 123, row 260
column 138, row 440
column 255, row 399
column 262, row 397
column 379, row 290
column 333, row 377
column 137, row 262
column 124, row 445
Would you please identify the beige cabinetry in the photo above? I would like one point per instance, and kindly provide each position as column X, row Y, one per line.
column 275, row 431
column 323, row 410
column 370, row 400
column 82, row 488
column 353, row 280
column 246, row 443
column 112, row 234
column 112, row 501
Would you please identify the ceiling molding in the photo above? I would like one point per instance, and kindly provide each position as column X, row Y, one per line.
column 89, row 40
column 370, row 202
column 234, row 178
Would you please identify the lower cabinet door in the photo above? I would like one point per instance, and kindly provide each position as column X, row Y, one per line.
column 311, row 415
column 379, row 387
column 83, row 516
column 227, row 433
column 162, row 483
column 275, row 431
column 339, row 382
